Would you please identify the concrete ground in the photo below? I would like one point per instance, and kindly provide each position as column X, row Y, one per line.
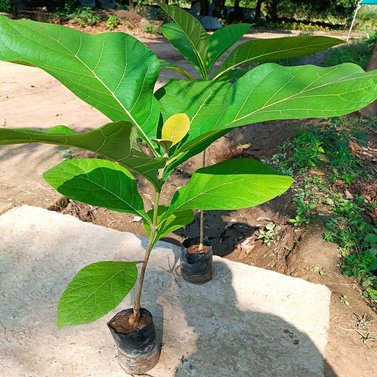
column 245, row 322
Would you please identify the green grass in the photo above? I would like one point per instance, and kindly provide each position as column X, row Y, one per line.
column 357, row 53
column 327, row 172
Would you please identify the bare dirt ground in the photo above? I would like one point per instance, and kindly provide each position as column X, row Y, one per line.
column 31, row 98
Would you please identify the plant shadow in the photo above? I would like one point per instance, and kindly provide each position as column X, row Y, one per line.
column 248, row 342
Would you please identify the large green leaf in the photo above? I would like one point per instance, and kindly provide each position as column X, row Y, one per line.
column 232, row 184
column 174, row 34
column 94, row 291
column 114, row 140
column 188, row 36
column 202, row 101
column 271, row 92
column 222, row 39
column 113, row 72
column 98, row 182
column 168, row 223
column 269, row 50
column 268, row 92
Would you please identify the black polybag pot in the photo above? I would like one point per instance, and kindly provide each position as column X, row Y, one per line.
column 138, row 351
column 196, row 267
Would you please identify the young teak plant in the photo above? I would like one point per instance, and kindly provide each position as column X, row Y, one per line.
column 203, row 51
column 151, row 133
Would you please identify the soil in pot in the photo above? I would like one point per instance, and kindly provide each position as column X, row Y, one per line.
column 196, row 262
column 138, row 349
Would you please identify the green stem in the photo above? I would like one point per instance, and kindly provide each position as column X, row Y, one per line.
column 201, row 220
column 134, row 319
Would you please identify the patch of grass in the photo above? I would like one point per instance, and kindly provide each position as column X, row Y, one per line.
column 357, row 53
column 325, row 167
column 357, row 240
column 326, row 145
column 306, row 202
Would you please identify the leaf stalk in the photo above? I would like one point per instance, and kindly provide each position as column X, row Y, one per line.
column 135, row 317
column 201, row 220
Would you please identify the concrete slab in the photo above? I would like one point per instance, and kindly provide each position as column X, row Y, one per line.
column 245, row 322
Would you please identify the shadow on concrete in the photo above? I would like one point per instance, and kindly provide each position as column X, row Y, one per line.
column 252, row 344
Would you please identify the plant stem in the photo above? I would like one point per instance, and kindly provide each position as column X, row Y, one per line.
column 201, row 230
column 134, row 319
column 201, row 219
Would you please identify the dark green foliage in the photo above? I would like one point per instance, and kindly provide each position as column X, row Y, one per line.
column 5, row 6
column 357, row 53
column 308, row 10
column 70, row 6
column 86, row 16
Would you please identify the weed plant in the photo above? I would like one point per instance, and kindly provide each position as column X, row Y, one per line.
column 269, row 234
column 113, row 21
column 322, row 157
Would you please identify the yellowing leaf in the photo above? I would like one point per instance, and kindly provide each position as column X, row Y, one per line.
column 175, row 128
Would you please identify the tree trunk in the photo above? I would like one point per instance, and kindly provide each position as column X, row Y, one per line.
column 204, row 7
column 219, row 9
column 258, row 8
column 273, row 10
column 371, row 110
column 237, row 15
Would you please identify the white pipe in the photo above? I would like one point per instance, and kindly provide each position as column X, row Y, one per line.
column 354, row 18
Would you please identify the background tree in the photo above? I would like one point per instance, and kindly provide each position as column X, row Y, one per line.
column 307, row 9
